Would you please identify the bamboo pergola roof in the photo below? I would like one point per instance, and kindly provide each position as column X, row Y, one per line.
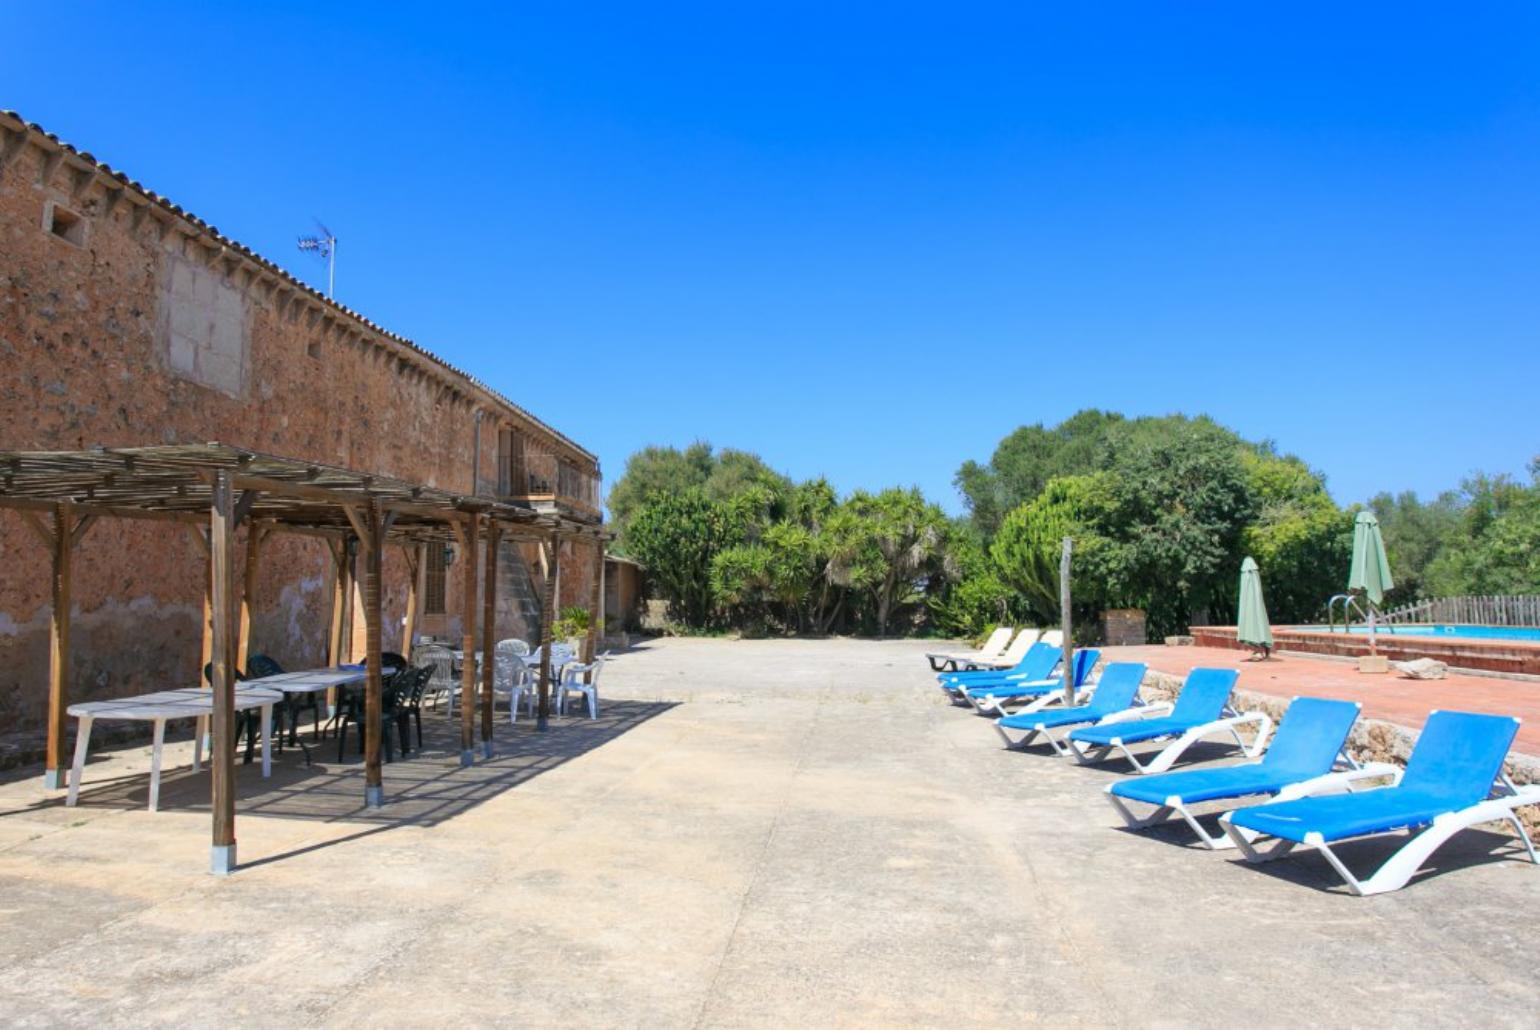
column 176, row 482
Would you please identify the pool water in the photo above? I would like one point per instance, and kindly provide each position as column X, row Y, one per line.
column 1530, row 633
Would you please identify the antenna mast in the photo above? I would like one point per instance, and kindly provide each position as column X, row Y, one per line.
column 323, row 245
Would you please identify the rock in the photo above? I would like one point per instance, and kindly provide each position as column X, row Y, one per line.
column 1423, row 669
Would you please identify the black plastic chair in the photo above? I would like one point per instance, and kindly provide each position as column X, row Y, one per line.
column 409, row 702
column 260, row 665
column 247, row 723
column 351, row 710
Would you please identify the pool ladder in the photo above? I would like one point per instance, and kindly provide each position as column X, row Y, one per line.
column 1350, row 604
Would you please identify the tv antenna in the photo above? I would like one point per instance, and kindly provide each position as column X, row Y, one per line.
column 323, row 245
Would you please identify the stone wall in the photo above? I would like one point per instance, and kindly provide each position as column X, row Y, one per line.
column 1507, row 657
column 126, row 322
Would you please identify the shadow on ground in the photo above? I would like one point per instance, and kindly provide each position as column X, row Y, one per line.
column 423, row 788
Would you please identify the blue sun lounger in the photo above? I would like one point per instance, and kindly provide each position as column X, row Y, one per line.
column 1453, row 780
column 992, row 700
column 1115, row 695
column 1038, row 663
column 1201, row 709
column 1306, row 757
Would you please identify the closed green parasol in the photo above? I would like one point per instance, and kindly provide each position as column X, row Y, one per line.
column 1371, row 569
column 1251, row 624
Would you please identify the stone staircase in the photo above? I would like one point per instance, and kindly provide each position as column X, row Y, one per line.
column 518, row 595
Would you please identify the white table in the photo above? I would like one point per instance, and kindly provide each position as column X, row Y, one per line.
column 313, row 681
column 159, row 708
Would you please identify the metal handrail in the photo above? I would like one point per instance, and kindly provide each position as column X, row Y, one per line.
column 1349, row 605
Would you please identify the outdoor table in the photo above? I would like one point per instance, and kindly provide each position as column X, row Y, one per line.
column 159, row 708
column 313, row 681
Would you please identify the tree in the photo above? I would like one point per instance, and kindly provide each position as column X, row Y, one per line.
column 1299, row 537
column 972, row 597
column 896, row 541
column 1026, row 550
column 654, row 472
column 1497, row 547
column 1415, row 533
column 1031, row 456
column 677, row 536
column 723, row 476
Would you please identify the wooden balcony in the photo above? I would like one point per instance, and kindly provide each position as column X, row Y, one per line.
column 535, row 475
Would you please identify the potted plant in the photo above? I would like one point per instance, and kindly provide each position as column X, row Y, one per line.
column 571, row 627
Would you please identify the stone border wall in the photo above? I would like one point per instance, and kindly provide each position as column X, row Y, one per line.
column 1509, row 657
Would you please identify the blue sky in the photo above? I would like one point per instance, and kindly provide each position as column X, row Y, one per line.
column 868, row 241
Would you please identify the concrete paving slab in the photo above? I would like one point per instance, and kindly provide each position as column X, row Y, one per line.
column 756, row 833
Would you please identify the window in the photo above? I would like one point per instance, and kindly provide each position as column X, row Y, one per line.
column 65, row 224
column 433, row 589
column 313, row 348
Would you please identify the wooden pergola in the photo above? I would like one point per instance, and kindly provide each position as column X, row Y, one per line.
column 215, row 489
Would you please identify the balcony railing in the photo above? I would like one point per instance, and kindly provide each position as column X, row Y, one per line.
column 533, row 474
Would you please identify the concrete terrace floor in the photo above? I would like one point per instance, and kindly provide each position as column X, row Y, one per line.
column 784, row 833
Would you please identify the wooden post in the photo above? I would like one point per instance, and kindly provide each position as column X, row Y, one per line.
column 206, row 657
column 547, row 624
column 222, row 760
column 54, row 776
column 488, row 635
column 372, row 542
column 339, row 578
column 595, row 603
column 337, row 646
column 468, row 645
column 357, row 619
column 254, row 535
column 1066, row 625
column 416, row 570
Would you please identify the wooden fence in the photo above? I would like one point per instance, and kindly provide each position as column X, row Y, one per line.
column 1481, row 610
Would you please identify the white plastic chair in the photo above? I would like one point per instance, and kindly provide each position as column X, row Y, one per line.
column 442, row 682
column 511, row 680
column 572, row 683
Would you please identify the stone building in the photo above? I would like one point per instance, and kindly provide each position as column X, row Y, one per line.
column 126, row 321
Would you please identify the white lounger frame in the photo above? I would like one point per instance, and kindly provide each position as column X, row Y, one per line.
column 1399, row 868
column 1341, row 779
column 959, row 691
column 1058, row 744
column 1089, row 754
column 996, row 706
column 950, row 660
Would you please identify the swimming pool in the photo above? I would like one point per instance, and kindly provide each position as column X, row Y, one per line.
column 1526, row 633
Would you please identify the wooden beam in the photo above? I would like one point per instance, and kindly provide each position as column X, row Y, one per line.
column 468, row 645
column 41, row 528
column 341, row 612
column 356, row 516
column 253, row 566
column 373, row 545
column 339, row 581
column 116, row 511
column 243, row 506
column 222, row 761
column 81, row 529
column 595, row 603
column 206, row 658
column 547, row 625
column 416, row 570
column 488, row 636
column 59, row 647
